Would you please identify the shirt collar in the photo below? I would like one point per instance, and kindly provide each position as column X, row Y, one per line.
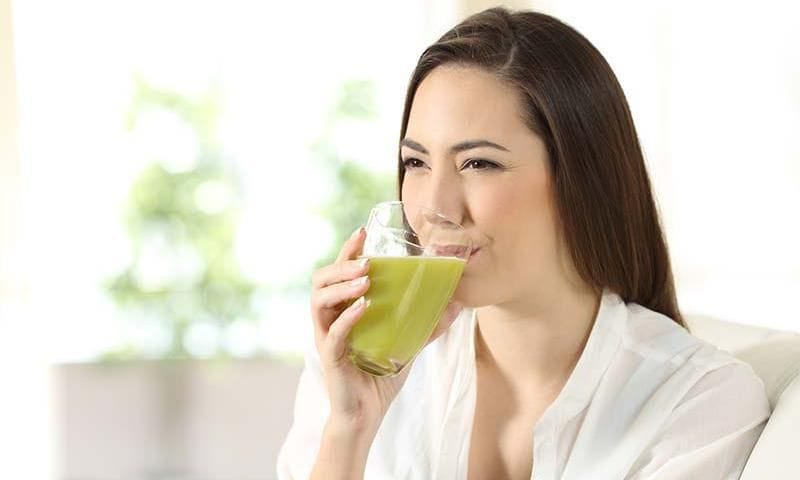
column 604, row 340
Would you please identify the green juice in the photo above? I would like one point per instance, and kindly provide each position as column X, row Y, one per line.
column 407, row 297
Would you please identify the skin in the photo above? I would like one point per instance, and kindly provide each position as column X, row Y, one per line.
column 534, row 313
column 469, row 154
column 531, row 305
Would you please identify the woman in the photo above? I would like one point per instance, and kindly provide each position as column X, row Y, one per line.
column 563, row 353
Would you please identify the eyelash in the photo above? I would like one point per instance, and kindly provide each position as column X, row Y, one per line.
column 490, row 165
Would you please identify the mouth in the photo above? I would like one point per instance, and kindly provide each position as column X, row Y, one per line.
column 452, row 251
column 473, row 253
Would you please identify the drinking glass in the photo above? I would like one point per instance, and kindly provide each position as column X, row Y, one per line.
column 416, row 257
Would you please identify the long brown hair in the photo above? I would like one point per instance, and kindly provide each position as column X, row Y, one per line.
column 573, row 101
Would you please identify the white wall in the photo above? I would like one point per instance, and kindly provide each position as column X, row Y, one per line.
column 25, row 438
column 714, row 88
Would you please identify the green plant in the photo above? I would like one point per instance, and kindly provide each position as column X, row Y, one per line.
column 357, row 188
column 165, row 212
column 188, row 218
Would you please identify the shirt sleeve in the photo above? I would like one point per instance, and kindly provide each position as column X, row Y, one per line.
column 311, row 409
column 711, row 432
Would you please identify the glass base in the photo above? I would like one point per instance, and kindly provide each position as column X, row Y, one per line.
column 375, row 367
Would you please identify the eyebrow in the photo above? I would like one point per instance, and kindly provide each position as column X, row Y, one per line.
column 459, row 147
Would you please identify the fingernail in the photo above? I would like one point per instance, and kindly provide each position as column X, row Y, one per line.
column 356, row 233
column 359, row 281
column 363, row 263
column 358, row 303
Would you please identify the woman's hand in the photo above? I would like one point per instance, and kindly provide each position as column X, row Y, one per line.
column 356, row 398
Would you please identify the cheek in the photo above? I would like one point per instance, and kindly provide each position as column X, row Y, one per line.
column 494, row 210
column 512, row 209
column 413, row 190
column 520, row 221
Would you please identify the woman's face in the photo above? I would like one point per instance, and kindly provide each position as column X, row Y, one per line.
column 469, row 155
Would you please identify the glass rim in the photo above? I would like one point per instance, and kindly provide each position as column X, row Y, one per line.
column 467, row 241
column 416, row 206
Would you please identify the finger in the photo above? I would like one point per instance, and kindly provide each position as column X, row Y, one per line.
column 337, row 335
column 339, row 272
column 333, row 296
column 449, row 316
column 352, row 247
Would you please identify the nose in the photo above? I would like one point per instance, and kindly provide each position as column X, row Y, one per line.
column 445, row 197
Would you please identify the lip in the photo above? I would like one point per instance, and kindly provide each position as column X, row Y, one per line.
column 473, row 253
column 452, row 250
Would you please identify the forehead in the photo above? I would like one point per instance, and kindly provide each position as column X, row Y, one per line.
column 457, row 102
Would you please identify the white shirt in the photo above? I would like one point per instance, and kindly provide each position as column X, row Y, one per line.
column 646, row 400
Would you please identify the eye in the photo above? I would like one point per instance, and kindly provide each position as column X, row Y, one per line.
column 480, row 164
column 411, row 163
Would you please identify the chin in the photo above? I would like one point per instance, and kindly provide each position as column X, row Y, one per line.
column 471, row 294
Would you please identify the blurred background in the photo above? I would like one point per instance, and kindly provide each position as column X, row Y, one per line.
column 171, row 172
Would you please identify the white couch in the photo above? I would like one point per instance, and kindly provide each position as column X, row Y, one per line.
column 775, row 357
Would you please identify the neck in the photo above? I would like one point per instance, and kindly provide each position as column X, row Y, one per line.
column 535, row 342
